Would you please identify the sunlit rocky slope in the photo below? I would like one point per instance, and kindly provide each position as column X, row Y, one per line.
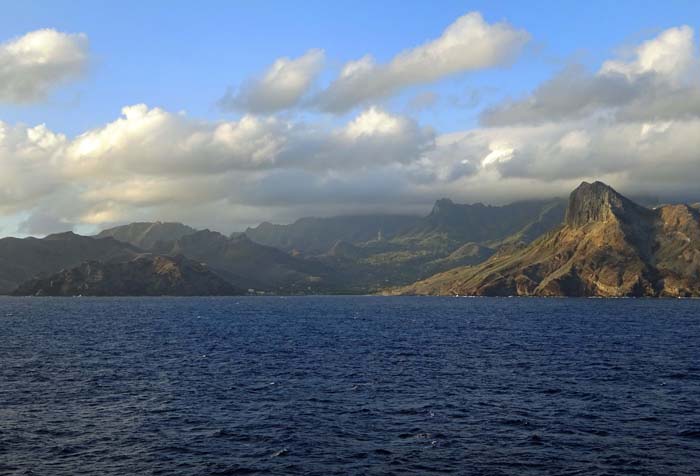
column 146, row 275
column 607, row 246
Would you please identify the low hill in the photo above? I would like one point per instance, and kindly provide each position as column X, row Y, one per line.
column 22, row 259
column 146, row 275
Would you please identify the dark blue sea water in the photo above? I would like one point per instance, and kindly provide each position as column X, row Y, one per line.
column 349, row 385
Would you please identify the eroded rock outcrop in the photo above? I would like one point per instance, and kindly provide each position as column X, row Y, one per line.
column 607, row 246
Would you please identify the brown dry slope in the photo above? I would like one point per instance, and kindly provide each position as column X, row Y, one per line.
column 145, row 275
column 607, row 246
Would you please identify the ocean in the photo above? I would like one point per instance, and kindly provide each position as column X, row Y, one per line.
column 349, row 385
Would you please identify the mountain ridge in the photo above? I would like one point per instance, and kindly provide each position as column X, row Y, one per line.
column 608, row 246
column 145, row 235
column 24, row 258
column 145, row 275
column 247, row 264
column 597, row 243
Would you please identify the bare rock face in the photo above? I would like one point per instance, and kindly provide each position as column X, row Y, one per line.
column 677, row 254
column 608, row 246
column 146, row 275
column 597, row 202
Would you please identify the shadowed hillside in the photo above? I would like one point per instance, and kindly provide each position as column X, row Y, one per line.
column 146, row 275
column 146, row 234
column 22, row 259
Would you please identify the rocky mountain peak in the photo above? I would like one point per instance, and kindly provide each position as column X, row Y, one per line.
column 442, row 205
column 65, row 235
column 146, row 235
column 597, row 202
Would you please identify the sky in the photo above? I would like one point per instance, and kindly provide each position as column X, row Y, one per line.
column 226, row 114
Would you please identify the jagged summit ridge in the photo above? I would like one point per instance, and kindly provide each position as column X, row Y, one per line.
column 608, row 246
column 596, row 202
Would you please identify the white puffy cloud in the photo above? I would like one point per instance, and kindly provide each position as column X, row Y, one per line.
column 150, row 163
column 520, row 161
column 633, row 124
column 670, row 54
column 154, row 141
column 282, row 86
column 29, row 158
column 468, row 44
column 375, row 122
column 658, row 82
column 33, row 64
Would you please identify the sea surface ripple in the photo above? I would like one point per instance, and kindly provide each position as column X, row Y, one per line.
column 349, row 385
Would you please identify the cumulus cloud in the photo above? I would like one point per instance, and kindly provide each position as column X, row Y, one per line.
column 150, row 141
column 634, row 124
column 152, row 164
column 28, row 165
column 501, row 165
column 33, row 64
column 282, row 86
column 670, row 54
column 658, row 82
column 150, row 160
column 468, row 44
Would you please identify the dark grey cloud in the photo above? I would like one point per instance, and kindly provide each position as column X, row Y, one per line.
column 572, row 94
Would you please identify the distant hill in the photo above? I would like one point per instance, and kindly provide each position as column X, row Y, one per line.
column 247, row 264
column 479, row 223
column 146, row 234
column 22, row 259
column 446, row 228
column 599, row 243
column 313, row 236
column 146, row 275
column 607, row 246
column 366, row 253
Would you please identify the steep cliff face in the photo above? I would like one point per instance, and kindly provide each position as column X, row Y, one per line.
column 607, row 246
column 145, row 275
column 677, row 251
column 597, row 202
